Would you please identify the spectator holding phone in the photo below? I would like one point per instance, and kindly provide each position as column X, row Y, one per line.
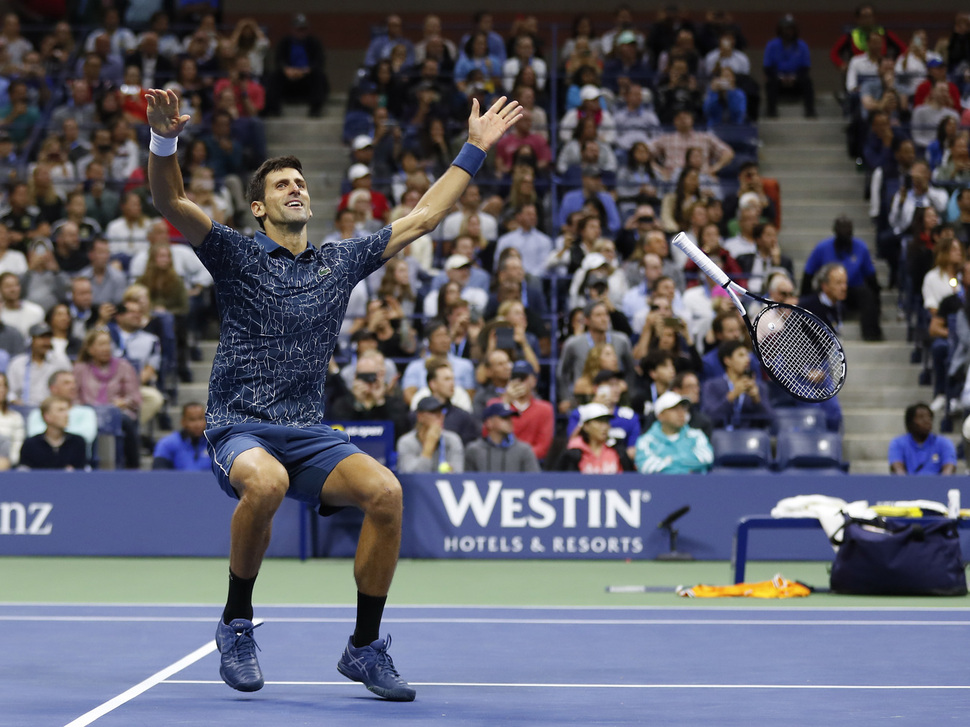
column 371, row 397
column 737, row 400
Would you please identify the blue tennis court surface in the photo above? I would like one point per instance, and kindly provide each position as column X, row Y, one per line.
column 149, row 665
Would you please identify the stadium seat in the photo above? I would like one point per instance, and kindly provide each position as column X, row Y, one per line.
column 809, row 450
column 747, row 448
column 800, row 419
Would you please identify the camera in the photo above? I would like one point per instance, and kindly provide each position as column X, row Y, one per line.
column 368, row 377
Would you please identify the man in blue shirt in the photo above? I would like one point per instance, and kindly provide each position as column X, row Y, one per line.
column 920, row 451
column 863, row 287
column 282, row 302
column 185, row 449
column 787, row 64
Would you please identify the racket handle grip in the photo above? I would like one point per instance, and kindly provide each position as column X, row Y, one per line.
column 701, row 259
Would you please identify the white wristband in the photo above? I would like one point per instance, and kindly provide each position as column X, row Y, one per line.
column 161, row 146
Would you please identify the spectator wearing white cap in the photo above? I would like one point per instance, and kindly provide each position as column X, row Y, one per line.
column 590, row 450
column 458, row 269
column 935, row 73
column 498, row 450
column 362, row 150
column 670, row 445
column 360, row 178
column 589, row 106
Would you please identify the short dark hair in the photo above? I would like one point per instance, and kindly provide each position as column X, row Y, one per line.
column 910, row 416
column 654, row 359
column 727, row 349
column 434, row 365
column 257, row 183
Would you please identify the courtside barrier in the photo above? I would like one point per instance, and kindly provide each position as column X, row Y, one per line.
column 498, row 516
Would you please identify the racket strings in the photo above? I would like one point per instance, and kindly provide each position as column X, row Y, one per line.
column 801, row 352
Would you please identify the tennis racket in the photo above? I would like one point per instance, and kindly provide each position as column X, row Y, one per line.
column 797, row 348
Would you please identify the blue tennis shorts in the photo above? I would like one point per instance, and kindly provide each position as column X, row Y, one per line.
column 309, row 455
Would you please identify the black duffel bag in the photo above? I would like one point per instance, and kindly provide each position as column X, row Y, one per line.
column 895, row 558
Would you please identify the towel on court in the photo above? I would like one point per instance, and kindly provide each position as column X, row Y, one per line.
column 777, row 587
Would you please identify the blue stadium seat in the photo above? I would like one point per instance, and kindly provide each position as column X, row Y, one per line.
column 809, row 450
column 800, row 419
column 748, row 448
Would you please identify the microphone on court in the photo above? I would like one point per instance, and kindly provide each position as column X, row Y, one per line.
column 674, row 516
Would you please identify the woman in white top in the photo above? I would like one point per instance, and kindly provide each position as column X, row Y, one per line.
column 945, row 277
column 128, row 235
column 11, row 422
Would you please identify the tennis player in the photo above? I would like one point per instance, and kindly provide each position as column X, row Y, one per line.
column 282, row 302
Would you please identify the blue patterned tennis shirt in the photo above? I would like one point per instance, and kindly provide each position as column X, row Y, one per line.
column 280, row 319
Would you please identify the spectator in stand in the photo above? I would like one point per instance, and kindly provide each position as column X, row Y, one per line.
column 636, row 122
column 429, row 447
column 583, row 151
column 12, row 431
column 936, row 74
column 725, row 103
column 168, row 294
column 737, row 400
column 828, row 300
column 69, row 256
column 438, row 344
column 533, row 245
column 63, row 340
column 958, row 47
column 926, row 119
column 865, row 64
column 678, row 90
column 522, row 135
column 16, row 312
column 19, row 114
column 432, row 36
column 143, row 350
column 11, row 261
column 108, row 283
column 623, row 23
column 186, row 449
column 767, row 259
column 478, row 68
column 856, row 41
column 920, row 451
column 101, row 202
column 360, row 179
column 750, row 180
column 483, row 22
column 592, row 191
column 22, row 219
column 498, row 450
column 494, row 373
column 727, row 326
column 627, row 65
column 670, row 445
column 381, row 45
column 524, row 56
column 590, row 107
column 589, row 450
column 56, row 448
column 535, row 424
column 29, row 372
column 919, row 193
column 106, row 380
column 941, row 282
column 127, row 235
column 728, row 55
column 372, row 396
column 300, row 73
column 43, row 283
column 81, row 420
column 956, row 168
column 910, row 67
column 611, row 391
column 671, row 149
column 577, row 348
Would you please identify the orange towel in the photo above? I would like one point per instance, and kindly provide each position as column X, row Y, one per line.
column 777, row 587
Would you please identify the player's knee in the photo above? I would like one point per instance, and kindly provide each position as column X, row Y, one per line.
column 263, row 481
column 386, row 501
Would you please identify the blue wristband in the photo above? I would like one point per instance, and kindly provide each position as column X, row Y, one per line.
column 470, row 158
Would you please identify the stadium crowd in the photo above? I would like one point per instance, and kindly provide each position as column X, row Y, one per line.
column 547, row 323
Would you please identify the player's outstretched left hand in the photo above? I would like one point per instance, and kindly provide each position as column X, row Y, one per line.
column 486, row 129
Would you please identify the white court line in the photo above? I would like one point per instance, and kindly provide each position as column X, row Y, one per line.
column 495, row 607
column 510, row 621
column 509, row 685
column 154, row 679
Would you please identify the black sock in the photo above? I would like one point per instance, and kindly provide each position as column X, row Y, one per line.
column 370, row 610
column 239, row 604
